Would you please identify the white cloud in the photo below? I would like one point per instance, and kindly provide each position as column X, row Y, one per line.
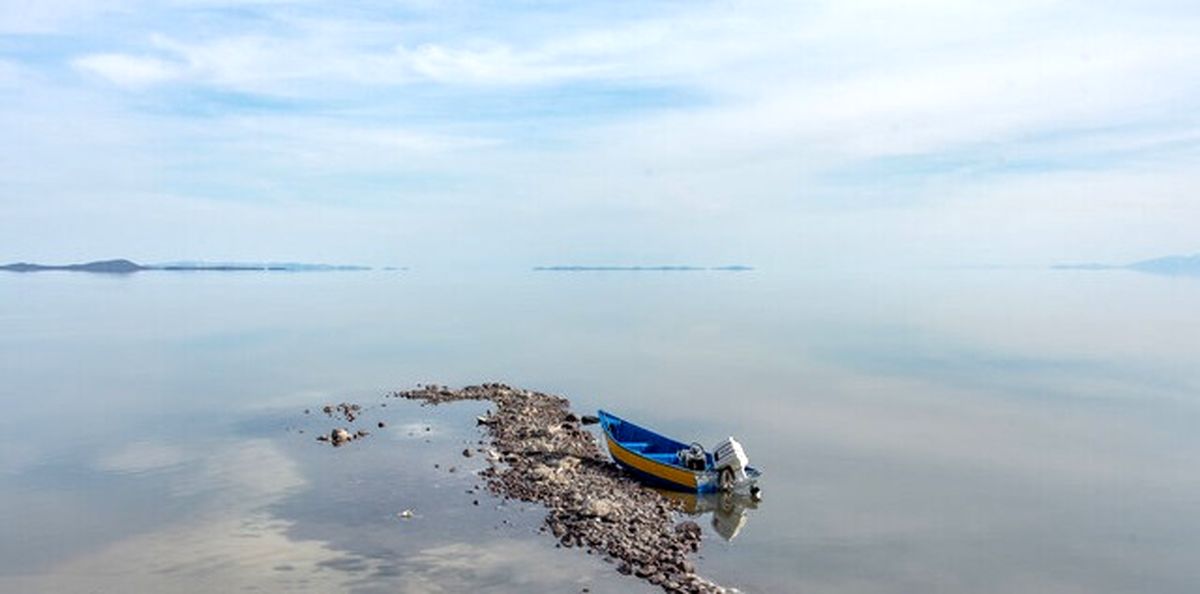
column 11, row 74
column 129, row 71
column 496, row 64
column 51, row 16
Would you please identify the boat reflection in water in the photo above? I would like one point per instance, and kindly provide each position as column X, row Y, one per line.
column 728, row 509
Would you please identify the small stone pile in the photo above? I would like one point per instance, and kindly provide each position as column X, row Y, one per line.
column 340, row 436
column 540, row 453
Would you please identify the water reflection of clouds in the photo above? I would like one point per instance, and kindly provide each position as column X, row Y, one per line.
column 225, row 552
column 141, row 457
column 910, row 419
column 1000, row 371
column 502, row 565
column 240, row 475
column 225, row 543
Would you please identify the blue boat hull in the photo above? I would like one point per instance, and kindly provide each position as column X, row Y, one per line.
column 652, row 457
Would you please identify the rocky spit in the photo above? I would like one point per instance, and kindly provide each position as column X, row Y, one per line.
column 539, row 452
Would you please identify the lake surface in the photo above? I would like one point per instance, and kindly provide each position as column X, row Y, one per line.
column 977, row 431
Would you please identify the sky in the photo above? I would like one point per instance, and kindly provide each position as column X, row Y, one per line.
column 515, row 134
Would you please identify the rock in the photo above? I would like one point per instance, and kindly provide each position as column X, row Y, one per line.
column 600, row 508
column 380, row 424
column 688, row 529
column 589, row 419
column 339, row 436
column 466, row 452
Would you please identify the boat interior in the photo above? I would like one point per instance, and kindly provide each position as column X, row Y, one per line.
column 645, row 442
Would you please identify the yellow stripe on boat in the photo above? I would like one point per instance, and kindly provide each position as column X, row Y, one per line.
column 651, row 467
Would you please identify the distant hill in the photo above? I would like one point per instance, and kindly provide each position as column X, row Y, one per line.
column 286, row 266
column 1169, row 265
column 126, row 267
column 1189, row 265
column 576, row 268
column 109, row 266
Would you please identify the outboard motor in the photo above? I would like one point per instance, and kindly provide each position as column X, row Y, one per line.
column 730, row 461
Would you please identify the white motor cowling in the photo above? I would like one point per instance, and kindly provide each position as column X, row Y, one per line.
column 730, row 461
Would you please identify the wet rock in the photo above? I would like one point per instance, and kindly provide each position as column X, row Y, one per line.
column 339, row 436
column 466, row 452
column 689, row 530
column 589, row 419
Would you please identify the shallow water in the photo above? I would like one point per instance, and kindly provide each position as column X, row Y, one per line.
column 952, row 431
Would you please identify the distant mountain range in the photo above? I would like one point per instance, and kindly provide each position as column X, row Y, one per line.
column 1170, row 265
column 126, row 267
column 735, row 268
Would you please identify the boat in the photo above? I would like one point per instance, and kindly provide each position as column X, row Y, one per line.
column 660, row 461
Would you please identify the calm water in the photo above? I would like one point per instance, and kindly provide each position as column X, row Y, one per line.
column 934, row 431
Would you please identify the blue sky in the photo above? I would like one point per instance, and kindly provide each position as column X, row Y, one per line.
column 524, row 133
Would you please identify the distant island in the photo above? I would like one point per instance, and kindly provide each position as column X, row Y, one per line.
column 734, row 268
column 122, row 266
column 1168, row 265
